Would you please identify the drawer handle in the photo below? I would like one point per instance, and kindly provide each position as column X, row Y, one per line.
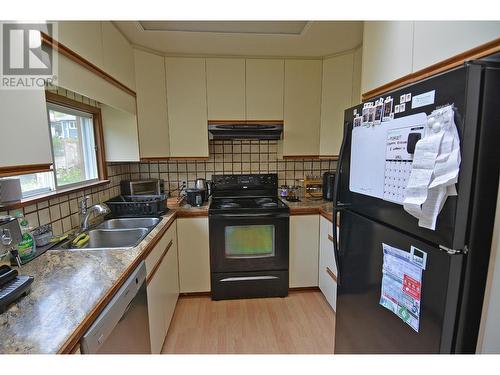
column 331, row 274
column 330, row 237
column 248, row 278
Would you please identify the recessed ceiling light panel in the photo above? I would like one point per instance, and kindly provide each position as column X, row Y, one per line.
column 228, row 27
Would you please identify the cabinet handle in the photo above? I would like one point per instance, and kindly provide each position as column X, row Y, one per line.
column 330, row 237
column 158, row 264
column 331, row 274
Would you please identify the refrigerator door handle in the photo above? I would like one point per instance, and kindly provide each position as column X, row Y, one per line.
column 338, row 206
column 336, row 187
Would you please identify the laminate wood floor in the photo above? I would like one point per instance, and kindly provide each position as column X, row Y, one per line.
column 301, row 323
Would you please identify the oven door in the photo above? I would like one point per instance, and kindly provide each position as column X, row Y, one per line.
column 249, row 242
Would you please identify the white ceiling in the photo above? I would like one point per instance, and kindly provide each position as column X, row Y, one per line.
column 245, row 38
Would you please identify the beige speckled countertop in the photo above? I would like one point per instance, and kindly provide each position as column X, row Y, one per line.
column 72, row 287
column 311, row 207
column 69, row 290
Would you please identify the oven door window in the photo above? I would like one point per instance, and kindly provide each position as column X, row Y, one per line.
column 249, row 241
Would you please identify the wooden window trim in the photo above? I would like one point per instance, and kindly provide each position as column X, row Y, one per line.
column 17, row 170
column 98, row 130
column 51, row 195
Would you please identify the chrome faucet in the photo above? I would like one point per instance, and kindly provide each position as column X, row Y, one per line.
column 85, row 212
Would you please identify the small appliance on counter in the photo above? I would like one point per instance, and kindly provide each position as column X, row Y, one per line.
column 328, row 181
column 12, row 286
column 142, row 187
column 313, row 186
column 195, row 197
column 10, row 190
column 203, row 186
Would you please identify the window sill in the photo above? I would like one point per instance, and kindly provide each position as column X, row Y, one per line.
column 53, row 194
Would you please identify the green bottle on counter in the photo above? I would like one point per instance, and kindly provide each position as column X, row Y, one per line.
column 26, row 247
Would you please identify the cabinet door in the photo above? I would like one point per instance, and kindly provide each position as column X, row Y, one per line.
column 156, row 310
column 435, row 41
column 84, row 38
column 151, row 105
column 264, row 89
column 118, row 55
column 302, row 107
column 304, row 233
column 25, row 138
column 187, row 107
column 387, row 52
column 327, row 267
column 226, row 89
column 335, row 98
column 194, row 254
column 120, row 135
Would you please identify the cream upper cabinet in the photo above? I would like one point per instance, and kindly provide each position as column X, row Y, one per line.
column 304, row 250
column 435, row 41
column 194, row 254
column 84, row 38
column 25, row 138
column 187, row 107
column 120, row 134
column 151, row 105
column 226, row 89
column 118, row 55
column 387, row 52
column 356, row 77
column 336, row 96
column 264, row 89
column 302, row 107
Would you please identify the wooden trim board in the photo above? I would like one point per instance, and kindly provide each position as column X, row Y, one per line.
column 442, row 66
column 75, row 57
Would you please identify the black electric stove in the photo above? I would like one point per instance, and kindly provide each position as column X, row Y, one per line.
column 249, row 230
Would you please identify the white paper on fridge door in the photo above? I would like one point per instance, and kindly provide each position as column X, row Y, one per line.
column 438, row 154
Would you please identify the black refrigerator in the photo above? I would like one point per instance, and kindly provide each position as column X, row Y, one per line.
column 451, row 288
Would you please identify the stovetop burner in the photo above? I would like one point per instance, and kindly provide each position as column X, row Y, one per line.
column 246, row 194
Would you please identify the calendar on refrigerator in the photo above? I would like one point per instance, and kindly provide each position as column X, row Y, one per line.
column 400, row 145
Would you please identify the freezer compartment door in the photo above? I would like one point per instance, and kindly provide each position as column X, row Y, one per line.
column 363, row 325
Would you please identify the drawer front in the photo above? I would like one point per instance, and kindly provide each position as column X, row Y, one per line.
column 328, row 287
column 154, row 256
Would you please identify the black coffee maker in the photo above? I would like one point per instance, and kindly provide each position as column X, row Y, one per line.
column 328, row 182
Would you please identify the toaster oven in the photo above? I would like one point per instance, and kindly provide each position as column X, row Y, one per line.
column 142, row 187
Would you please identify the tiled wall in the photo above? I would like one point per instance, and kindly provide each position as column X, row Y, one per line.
column 232, row 157
column 62, row 212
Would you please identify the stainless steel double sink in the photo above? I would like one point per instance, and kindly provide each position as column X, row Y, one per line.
column 114, row 233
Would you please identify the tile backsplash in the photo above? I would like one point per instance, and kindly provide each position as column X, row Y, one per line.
column 232, row 157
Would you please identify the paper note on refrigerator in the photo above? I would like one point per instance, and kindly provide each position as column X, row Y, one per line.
column 402, row 285
column 435, row 168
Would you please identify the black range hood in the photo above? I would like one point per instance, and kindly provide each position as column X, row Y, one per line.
column 245, row 130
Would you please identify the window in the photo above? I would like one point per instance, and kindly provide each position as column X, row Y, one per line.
column 75, row 134
column 73, row 145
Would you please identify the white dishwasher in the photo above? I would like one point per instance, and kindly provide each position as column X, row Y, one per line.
column 123, row 326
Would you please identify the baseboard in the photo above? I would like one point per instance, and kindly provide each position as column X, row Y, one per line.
column 291, row 290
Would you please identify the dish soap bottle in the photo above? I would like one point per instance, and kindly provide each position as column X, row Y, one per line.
column 26, row 248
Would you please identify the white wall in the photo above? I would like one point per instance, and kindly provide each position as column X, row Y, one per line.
column 489, row 331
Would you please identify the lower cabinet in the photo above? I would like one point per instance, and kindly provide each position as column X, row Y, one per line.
column 162, row 286
column 304, row 233
column 327, row 266
column 194, row 254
